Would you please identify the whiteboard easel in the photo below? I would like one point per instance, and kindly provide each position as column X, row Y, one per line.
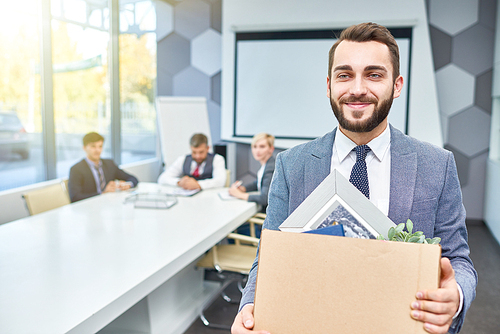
column 178, row 119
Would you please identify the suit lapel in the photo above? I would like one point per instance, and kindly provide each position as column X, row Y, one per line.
column 403, row 177
column 318, row 163
column 89, row 176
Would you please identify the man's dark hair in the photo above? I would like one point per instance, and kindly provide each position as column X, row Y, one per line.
column 198, row 139
column 92, row 137
column 368, row 32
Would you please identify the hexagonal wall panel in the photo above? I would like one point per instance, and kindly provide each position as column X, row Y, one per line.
column 483, row 91
column 216, row 15
column 455, row 89
column 487, row 13
column 215, row 87
column 192, row 17
column 473, row 192
column 191, row 82
column 469, row 47
column 214, row 119
column 462, row 163
column 173, row 53
column 444, row 126
column 206, row 51
column 164, row 83
column 469, row 131
column 453, row 16
column 164, row 19
column 441, row 47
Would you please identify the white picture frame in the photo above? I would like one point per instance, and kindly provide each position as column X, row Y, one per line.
column 336, row 200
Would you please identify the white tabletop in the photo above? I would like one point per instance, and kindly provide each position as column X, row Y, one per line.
column 79, row 264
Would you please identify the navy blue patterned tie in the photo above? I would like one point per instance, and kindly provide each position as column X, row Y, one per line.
column 359, row 175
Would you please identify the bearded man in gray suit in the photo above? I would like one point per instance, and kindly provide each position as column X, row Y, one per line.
column 407, row 178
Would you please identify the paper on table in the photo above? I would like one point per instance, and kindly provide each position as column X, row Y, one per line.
column 178, row 191
column 226, row 196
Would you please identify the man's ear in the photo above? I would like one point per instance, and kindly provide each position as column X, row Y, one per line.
column 328, row 87
column 398, row 86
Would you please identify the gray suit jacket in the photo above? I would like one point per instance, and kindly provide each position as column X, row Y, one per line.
column 424, row 188
column 261, row 197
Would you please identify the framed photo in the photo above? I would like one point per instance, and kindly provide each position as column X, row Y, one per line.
column 337, row 201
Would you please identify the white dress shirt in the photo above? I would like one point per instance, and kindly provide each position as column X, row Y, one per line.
column 173, row 174
column 260, row 174
column 378, row 163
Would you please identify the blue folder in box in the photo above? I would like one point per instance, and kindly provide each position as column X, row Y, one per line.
column 337, row 230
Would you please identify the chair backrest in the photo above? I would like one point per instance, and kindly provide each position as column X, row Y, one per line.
column 46, row 198
column 228, row 178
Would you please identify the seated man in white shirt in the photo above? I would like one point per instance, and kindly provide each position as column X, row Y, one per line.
column 198, row 170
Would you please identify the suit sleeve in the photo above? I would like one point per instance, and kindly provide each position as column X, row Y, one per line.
column 262, row 197
column 252, row 186
column 277, row 212
column 76, row 184
column 122, row 175
column 450, row 226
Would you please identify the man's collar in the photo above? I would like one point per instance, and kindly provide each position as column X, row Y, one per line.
column 378, row 145
column 91, row 163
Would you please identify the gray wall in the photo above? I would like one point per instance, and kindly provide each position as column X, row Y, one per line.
column 189, row 53
column 462, row 35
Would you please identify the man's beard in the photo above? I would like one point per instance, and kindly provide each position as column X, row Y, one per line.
column 380, row 112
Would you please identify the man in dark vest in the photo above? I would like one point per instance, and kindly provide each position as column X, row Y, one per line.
column 198, row 170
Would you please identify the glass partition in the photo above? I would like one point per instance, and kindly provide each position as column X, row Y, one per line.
column 21, row 148
column 81, row 83
column 80, row 46
column 137, row 52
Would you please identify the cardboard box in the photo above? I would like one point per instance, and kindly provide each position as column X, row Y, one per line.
column 308, row 283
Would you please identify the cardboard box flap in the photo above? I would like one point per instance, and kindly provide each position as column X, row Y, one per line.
column 309, row 283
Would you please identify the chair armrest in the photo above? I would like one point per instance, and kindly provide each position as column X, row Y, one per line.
column 256, row 221
column 260, row 215
column 253, row 221
column 244, row 238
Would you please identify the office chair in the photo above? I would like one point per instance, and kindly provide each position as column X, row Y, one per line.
column 257, row 219
column 232, row 263
column 228, row 178
column 46, row 198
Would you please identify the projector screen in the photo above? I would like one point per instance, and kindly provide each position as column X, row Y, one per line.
column 280, row 83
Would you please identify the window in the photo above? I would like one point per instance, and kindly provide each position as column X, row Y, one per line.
column 80, row 78
column 81, row 91
column 137, row 54
column 21, row 149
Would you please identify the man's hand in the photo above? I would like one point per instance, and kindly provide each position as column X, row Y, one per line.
column 243, row 323
column 436, row 308
column 188, row 183
column 125, row 185
column 110, row 187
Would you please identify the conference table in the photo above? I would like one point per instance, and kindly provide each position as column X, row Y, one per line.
column 102, row 265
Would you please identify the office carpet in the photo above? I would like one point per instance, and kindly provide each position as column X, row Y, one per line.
column 482, row 318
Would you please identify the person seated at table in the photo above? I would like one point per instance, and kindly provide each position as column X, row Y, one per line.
column 257, row 190
column 93, row 176
column 262, row 151
column 198, row 170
